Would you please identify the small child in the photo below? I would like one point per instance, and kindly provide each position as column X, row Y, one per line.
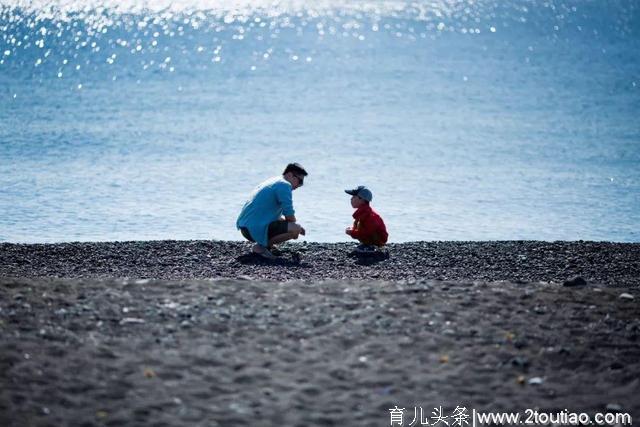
column 368, row 227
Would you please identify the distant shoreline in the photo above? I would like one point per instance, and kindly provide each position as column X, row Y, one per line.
column 602, row 263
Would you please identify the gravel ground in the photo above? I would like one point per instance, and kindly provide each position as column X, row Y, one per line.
column 203, row 333
column 607, row 264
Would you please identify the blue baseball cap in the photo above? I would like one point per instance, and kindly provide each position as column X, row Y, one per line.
column 362, row 192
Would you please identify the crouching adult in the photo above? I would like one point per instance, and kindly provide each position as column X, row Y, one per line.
column 268, row 217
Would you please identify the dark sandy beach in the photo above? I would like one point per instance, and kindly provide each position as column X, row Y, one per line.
column 201, row 333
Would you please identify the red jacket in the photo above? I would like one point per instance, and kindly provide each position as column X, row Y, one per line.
column 368, row 227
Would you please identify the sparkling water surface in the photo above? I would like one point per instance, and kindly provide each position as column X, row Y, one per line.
column 469, row 120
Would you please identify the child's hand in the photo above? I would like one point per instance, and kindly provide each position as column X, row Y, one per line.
column 303, row 231
column 348, row 231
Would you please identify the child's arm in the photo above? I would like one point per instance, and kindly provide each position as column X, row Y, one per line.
column 358, row 232
column 364, row 228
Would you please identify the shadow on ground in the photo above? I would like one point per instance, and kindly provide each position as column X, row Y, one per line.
column 369, row 258
column 292, row 259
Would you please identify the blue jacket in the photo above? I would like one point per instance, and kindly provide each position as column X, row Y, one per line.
column 267, row 203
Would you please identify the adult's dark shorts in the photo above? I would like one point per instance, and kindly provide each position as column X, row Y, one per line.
column 275, row 228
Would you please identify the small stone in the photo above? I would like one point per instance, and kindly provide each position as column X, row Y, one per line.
column 128, row 320
column 519, row 344
column 576, row 281
column 626, row 296
column 444, row 359
column 535, row 381
column 520, row 362
column 385, row 391
column 614, row 407
column 239, row 409
column 520, row 380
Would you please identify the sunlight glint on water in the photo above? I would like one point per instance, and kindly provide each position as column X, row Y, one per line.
column 468, row 120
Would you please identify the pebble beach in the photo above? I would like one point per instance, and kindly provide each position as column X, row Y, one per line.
column 204, row 333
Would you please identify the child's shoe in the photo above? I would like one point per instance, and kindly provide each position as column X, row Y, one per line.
column 365, row 249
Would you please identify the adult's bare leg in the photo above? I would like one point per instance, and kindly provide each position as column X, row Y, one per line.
column 294, row 230
column 281, row 238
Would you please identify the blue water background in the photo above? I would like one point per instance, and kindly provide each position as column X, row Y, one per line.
column 478, row 120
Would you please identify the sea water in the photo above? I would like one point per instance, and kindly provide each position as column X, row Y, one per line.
column 468, row 120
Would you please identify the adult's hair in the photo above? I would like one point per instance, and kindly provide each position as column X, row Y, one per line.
column 295, row 168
